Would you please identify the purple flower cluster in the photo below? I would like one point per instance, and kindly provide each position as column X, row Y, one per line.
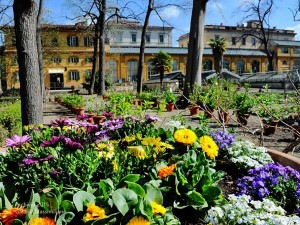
column 274, row 181
column 108, row 114
column 223, row 139
column 151, row 119
column 114, row 124
column 31, row 160
column 67, row 141
column 17, row 141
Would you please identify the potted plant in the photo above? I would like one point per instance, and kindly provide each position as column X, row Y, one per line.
column 242, row 105
column 79, row 105
column 270, row 117
column 170, row 99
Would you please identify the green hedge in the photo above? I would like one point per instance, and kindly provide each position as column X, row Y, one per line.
column 10, row 120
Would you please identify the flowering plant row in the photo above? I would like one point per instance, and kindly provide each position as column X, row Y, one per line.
column 121, row 171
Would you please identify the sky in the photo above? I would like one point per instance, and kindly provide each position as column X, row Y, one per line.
column 224, row 12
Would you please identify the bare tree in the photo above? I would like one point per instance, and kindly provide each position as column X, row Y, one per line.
column 295, row 11
column 25, row 18
column 39, row 46
column 260, row 10
column 196, row 46
column 150, row 8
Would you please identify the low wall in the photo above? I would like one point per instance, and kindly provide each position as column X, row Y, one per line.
column 285, row 159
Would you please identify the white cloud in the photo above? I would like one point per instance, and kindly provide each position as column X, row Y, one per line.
column 296, row 28
column 170, row 12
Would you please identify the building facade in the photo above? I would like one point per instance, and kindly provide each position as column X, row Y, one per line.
column 68, row 51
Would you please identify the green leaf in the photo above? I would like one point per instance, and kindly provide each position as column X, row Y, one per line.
column 154, row 195
column 196, row 200
column 68, row 206
column 49, row 201
column 120, row 202
column 7, row 204
column 111, row 219
column 211, row 193
column 130, row 196
column 136, row 188
column 130, row 178
column 32, row 209
column 82, row 197
column 17, row 222
column 65, row 218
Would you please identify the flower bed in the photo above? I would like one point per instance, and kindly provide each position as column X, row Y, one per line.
column 126, row 171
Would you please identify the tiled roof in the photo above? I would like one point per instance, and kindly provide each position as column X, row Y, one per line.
column 287, row 43
column 184, row 51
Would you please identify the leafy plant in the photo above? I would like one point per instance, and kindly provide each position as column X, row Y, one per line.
column 169, row 97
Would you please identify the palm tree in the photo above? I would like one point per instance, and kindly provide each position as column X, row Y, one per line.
column 218, row 48
column 162, row 62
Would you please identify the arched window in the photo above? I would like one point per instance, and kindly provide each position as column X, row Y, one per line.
column 151, row 70
column 240, row 66
column 112, row 70
column 175, row 65
column 207, row 65
column 226, row 64
column 132, row 69
column 255, row 66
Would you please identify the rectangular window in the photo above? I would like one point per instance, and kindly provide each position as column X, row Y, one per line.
column 88, row 41
column 284, row 50
column 161, row 38
column 296, row 50
column 253, row 42
column 233, row 41
column 55, row 60
column 72, row 41
column 54, row 41
column 74, row 75
column 119, row 36
column 89, row 59
column 133, row 37
column 148, row 37
column 73, row 59
column 243, row 40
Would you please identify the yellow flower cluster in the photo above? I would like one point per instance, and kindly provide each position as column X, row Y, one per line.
column 138, row 220
column 209, row 146
column 138, row 151
column 158, row 209
column 157, row 144
column 185, row 136
column 105, row 150
column 94, row 213
column 42, row 221
column 166, row 171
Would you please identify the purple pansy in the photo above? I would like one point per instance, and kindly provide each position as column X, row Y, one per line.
column 223, row 139
column 151, row 119
column 17, row 141
column 108, row 114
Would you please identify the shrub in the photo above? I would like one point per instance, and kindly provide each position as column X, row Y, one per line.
column 10, row 118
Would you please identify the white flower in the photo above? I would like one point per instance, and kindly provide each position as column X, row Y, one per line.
column 175, row 123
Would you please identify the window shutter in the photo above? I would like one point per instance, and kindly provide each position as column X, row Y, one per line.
column 78, row 75
column 69, row 75
column 76, row 38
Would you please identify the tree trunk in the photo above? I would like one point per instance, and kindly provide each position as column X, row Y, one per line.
column 39, row 48
column 195, row 48
column 142, row 47
column 218, row 60
column 25, row 18
column 101, row 48
column 96, row 40
column 161, row 76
